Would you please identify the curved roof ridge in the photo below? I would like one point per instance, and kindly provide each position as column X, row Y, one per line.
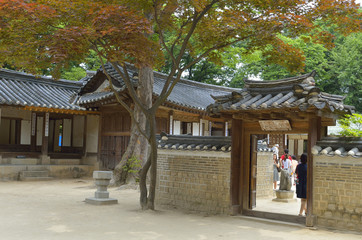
column 195, row 83
column 278, row 82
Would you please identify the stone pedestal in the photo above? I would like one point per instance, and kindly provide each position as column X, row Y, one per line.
column 101, row 196
column 284, row 196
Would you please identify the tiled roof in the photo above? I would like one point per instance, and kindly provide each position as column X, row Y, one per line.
column 21, row 89
column 298, row 92
column 200, row 143
column 340, row 146
column 186, row 93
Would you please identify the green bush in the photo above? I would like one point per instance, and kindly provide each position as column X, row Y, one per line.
column 132, row 166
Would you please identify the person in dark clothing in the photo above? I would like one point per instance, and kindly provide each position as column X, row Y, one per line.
column 301, row 186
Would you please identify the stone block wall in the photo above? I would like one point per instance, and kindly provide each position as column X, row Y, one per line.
column 264, row 173
column 194, row 180
column 337, row 193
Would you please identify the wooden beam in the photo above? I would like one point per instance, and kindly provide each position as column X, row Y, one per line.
column 313, row 135
column 57, row 110
column 235, row 175
column 45, row 136
column 324, row 114
column 245, row 184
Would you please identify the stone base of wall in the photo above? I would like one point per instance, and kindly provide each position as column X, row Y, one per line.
column 337, row 193
column 196, row 181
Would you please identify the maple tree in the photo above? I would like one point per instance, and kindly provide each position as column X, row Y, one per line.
column 37, row 34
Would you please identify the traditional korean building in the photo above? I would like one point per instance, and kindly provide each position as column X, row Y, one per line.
column 287, row 106
column 41, row 126
column 184, row 111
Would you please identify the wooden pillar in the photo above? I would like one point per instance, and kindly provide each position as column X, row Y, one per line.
column 226, row 126
column 314, row 131
column 235, row 166
column 295, row 150
column 85, row 136
column 171, row 126
column 33, row 132
column 44, row 147
column 201, row 130
column 210, row 126
column 245, row 169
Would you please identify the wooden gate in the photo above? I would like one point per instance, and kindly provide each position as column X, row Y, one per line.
column 115, row 136
column 112, row 149
column 253, row 173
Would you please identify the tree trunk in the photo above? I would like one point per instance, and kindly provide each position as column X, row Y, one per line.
column 148, row 202
column 138, row 144
column 153, row 159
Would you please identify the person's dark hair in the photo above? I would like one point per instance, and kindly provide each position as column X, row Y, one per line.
column 294, row 157
column 286, row 151
column 303, row 158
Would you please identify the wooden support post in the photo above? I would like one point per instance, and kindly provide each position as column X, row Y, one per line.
column 235, row 167
column 245, row 169
column 44, row 148
column 33, row 132
column 314, row 131
column 85, row 136
column 171, row 126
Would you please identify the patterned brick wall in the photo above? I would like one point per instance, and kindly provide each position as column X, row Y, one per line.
column 194, row 180
column 337, row 197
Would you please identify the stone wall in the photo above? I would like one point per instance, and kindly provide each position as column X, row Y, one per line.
column 264, row 173
column 194, row 180
column 337, row 197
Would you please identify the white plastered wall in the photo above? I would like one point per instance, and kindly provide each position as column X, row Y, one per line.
column 67, row 132
column 92, row 133
column 78, row 130
column 195, row 129
column 25, row 137
column 176, row 127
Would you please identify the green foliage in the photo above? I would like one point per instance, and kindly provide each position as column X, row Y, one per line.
column 74, row 73
column 338, row 70
column 351, row 125
column 133, row 165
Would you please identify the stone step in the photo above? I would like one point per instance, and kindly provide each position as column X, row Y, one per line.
column 36, row 178
column 21, row 161
column 35, row 175
column 66, row 161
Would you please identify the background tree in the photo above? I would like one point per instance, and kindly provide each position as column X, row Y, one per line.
column 36, row 34
column 351, row 125
column 338, row 69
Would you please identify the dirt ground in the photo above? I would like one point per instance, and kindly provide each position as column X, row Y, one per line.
column 56, row 210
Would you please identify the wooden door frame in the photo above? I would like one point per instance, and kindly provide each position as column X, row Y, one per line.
column 240, row 169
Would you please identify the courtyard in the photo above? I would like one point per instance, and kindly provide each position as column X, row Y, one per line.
column 56, row 210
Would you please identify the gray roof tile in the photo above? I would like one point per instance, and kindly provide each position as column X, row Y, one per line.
column 199, row 143
column 298, row 92
column 21, row 89
column 186, row 93
column 339, row 146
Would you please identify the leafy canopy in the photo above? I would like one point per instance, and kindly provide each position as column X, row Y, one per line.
column 43, row 34
column 36, row 35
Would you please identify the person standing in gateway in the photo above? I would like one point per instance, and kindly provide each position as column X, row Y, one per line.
column 301, row 184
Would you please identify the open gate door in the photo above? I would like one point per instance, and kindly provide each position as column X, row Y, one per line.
column 253, row 165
